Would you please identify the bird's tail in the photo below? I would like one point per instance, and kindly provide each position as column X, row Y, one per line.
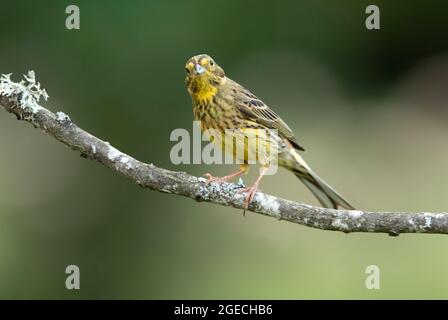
column 327, row 196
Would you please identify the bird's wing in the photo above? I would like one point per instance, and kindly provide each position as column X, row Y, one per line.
column 257, row 111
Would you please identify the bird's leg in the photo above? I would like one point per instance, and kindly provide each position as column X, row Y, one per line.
column 252, row 190
column 244, row 168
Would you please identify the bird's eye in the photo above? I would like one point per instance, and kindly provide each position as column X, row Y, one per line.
column 211, row 62
column 188, row 70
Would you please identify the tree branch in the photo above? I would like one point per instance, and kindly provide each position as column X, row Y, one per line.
column 22, row 99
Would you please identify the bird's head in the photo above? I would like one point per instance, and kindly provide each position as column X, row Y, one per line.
column 203, row 71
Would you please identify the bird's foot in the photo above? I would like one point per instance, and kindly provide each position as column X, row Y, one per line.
column 250, row 194
column 211, row 178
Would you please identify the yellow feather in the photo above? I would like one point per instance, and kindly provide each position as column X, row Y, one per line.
column 204, row 91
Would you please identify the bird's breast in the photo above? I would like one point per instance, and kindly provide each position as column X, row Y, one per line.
column 215, row 114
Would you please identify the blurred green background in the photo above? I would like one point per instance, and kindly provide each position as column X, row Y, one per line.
column 369, row 106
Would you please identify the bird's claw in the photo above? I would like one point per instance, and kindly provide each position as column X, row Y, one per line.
column 250, row 194
column 211, row 178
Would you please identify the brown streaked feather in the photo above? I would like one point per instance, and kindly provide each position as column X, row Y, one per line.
column 257, row 111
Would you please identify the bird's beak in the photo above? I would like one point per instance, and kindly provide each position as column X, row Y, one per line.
column 199, row 69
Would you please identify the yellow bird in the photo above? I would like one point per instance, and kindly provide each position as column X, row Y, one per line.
column 241, row 119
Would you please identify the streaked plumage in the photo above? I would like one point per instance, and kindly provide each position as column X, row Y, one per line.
column 223, row 105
